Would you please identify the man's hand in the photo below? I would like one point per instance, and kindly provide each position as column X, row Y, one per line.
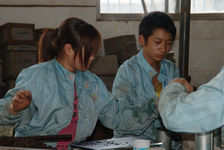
column 20, row 101
column 184, row 82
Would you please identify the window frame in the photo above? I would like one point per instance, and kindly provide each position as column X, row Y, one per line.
column 138, row 16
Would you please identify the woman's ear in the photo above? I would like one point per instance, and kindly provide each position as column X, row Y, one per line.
column 68, row 49
column 141, row 40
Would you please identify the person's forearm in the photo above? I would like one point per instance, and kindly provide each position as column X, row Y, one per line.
column 199, row 111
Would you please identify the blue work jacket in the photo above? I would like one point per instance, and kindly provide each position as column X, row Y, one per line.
column 133, row 85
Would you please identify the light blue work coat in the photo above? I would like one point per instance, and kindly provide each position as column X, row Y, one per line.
column 51, row 108
column 133, row 84
column 200, row 111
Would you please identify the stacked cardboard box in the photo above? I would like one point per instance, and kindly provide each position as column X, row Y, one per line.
column 1, row 83
column 18, row 50
column 106, row 68
column 123, row 46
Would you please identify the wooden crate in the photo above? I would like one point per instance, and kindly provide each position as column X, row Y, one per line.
column 6, row 130
column 15, row 59
column 19, row 48
column 17, row 33
column 105, row 65
column 1, row 71
column 2, row 90
column 38, row 33
column 106, row 68
column 1, row 83
column 108, row 81
column 123, row 46
column 9, row 84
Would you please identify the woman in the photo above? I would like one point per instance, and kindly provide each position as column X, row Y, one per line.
column 66, row 99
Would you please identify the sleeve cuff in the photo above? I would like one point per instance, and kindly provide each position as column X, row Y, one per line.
column 6, row 113
column 177, row 85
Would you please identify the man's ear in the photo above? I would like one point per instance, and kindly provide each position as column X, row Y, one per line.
column 68, row 49
column 141, row 40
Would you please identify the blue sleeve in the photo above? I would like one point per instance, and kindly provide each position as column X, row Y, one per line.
column 199, row 111
column 5, row 116
column 124, row 111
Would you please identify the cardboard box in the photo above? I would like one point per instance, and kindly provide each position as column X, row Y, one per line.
column 15, row 58
column 17, row 33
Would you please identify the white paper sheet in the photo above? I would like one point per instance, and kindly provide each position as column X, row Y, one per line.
column 126, row 142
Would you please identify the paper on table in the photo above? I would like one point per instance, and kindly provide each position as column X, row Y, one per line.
column 107, row 144
column 125, row 142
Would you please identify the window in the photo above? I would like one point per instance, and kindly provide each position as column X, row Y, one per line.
column 207, row 6
column 132, row 6
column 131, row 9
column 121, row 6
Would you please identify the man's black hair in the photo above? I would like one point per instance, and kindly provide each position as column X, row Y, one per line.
column 155, row 20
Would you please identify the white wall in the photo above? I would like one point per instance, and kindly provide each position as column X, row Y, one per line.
column 47, row 16
column 206, row 50
column 47, row 2
column 207, row 37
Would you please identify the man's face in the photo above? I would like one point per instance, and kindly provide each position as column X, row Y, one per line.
column 157, row 45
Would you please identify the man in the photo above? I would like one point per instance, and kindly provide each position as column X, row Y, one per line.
column 141, row 78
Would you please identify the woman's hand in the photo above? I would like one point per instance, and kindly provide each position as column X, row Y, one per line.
column 20, row 101
column 184, row 82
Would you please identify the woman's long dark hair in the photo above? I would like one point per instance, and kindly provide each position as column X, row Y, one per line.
column 47, row 45
column 72, row 31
